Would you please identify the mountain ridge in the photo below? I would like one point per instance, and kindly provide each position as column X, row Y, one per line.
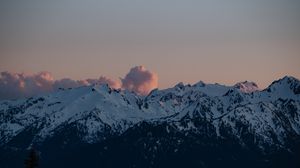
column 266, row 120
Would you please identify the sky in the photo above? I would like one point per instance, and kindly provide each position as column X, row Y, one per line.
column 216, row 41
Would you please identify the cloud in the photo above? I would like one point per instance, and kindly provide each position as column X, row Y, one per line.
column 104, row 80
column 140, row 80
column 69, row 83
column 18, row 85
column 21, row 85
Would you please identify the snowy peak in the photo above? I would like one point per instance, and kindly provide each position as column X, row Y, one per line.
column 179, row 86
column 285, row 84
column 247, row 87
column 199, row 84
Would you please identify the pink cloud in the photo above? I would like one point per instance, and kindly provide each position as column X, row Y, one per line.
column 140, row 80
column 69, row 83
column 104, row 80
column 20, row 85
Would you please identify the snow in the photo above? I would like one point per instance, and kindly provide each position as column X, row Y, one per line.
column 92, row 107
column 247, row 87
column 213, row 89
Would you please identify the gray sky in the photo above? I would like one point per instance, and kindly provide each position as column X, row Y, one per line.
column 223, row 41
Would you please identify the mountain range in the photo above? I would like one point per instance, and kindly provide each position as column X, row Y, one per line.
column 200, row 125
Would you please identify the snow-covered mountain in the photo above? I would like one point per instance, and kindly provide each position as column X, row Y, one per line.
column 266, row 120
column 247, row 87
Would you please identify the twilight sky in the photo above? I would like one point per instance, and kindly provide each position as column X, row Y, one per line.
column 224, row 41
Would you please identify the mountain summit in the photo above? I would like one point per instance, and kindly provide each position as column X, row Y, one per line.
column 247, row 87
column 200, row 125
